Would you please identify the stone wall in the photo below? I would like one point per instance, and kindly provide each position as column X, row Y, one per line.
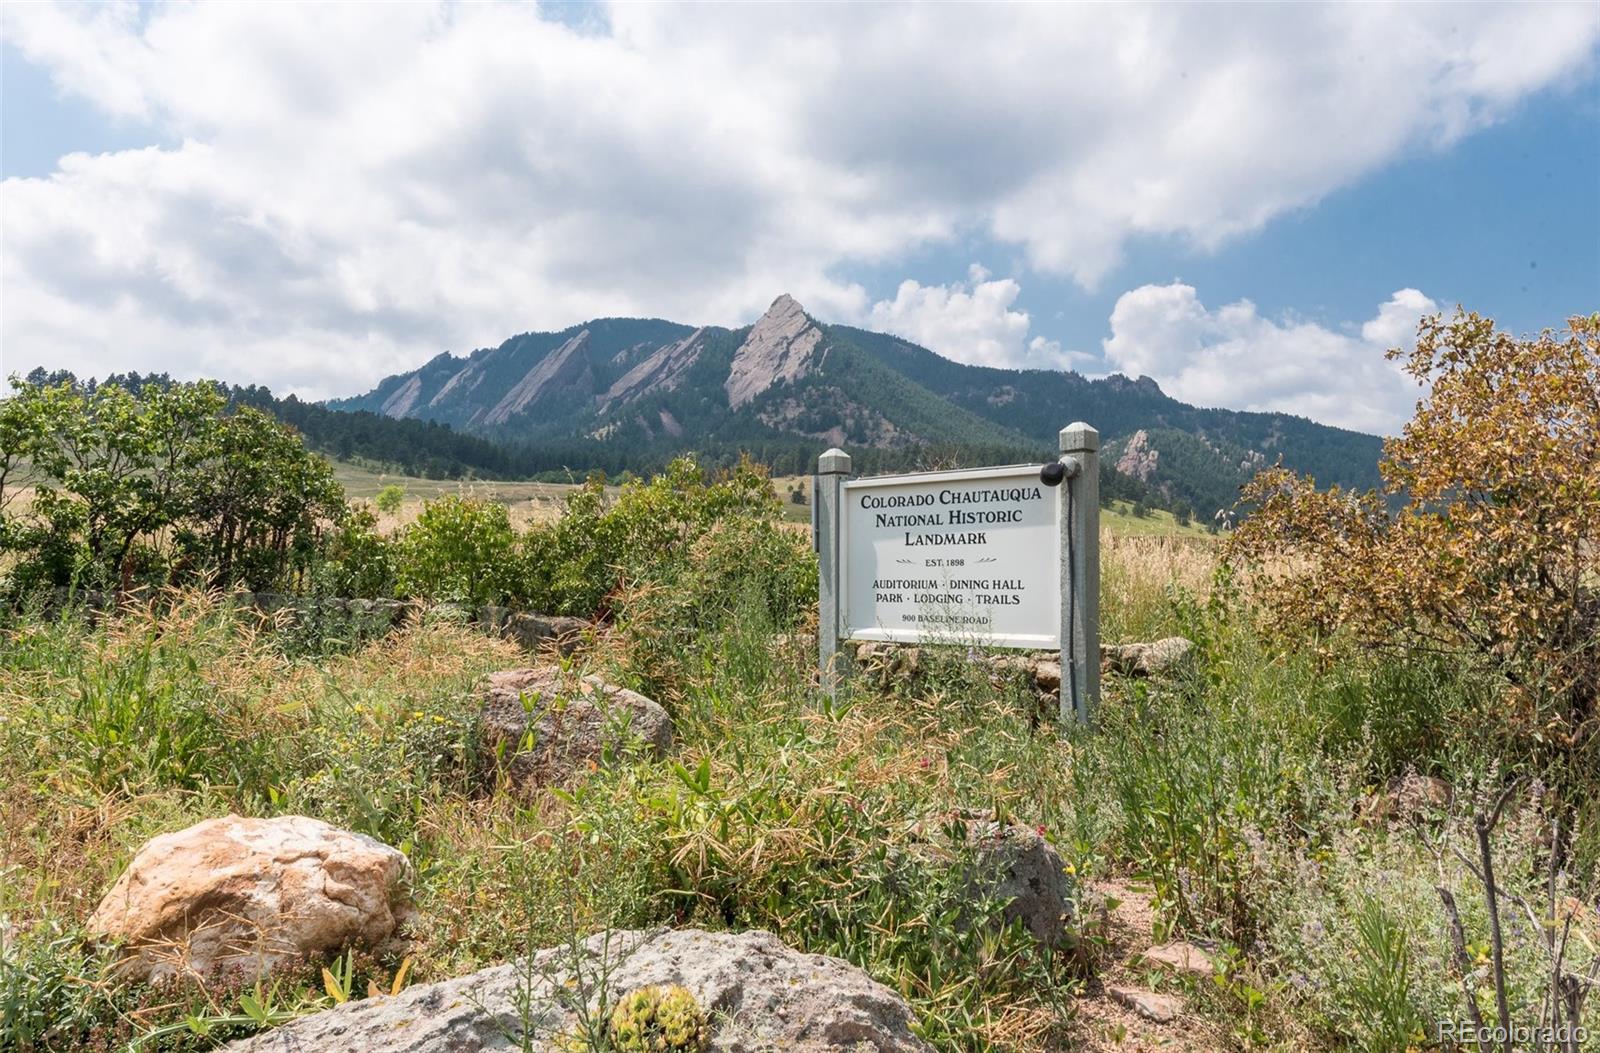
column 531, row 630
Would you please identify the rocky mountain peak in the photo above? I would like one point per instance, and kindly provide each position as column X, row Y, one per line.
column 782, row 346
column 563, row 372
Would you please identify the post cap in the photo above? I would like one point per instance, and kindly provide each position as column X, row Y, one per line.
column 834, row 462
column 1079, row 437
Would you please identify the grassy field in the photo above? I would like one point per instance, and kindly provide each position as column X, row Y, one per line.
column 541, row 502
column 527, row 502
column 1225, row 803
column 1245, row 801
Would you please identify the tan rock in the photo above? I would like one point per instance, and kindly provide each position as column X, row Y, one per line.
column 1180, row 957
column 1417, row 793
column 1409, row 796
column 887, row 663
column 1139, row 458
column 1011, row 664
column 576, row 722
column 236, row 895
column 1161, row 1008
column 1146, row 659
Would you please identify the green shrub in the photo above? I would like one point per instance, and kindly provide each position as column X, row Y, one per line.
column 459, row 550
column 147, row 483
column 357, row 561
column 389, row 499
column 50, row 994
column 576, row 564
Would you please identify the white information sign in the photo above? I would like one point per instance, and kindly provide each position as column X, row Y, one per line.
column 953, row 557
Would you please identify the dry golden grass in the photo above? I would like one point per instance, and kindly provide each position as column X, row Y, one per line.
column 62, row 841
column 1139, row 577
column 526, row 502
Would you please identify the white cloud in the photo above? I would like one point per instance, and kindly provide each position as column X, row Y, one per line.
column 971, row 322
column 1234, row 357
column 360, row 186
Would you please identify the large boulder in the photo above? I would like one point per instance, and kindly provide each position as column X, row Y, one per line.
column 1011, row 864
column 575, row 723
column 1168, row 655
column 239, row 896
column 755, row 993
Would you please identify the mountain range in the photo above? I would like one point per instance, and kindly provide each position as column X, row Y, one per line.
column 624, row 391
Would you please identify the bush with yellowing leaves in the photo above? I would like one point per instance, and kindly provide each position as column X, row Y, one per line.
column 1485, row 542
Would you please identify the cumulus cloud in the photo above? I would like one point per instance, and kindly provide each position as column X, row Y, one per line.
column 356, row 187
column 1234, row 357
column 971, row 322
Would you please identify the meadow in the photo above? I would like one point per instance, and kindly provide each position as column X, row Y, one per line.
column 1230, row 798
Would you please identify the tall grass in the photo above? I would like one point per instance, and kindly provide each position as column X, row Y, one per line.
column 1231, row 792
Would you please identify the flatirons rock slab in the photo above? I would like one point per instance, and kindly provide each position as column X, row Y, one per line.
column 563, row 373
column 757, row 994
column 781, row 348
column 663, row 370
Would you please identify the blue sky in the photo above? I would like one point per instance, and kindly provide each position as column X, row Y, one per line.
column 1246, row 206
column 39, row 123
column 1505, row 222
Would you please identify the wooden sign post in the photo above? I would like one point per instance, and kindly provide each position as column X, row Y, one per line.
column 986, row 557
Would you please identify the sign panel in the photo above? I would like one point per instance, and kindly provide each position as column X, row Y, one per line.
column 953, row 557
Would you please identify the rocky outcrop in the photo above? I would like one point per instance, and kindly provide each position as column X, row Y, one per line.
column 576, row 722
column 781, row 348
column 887, row 663
column 1011, row 864
column 536, row 633
column 1139, row 458
column 564, row 371
column 755, row 993
column 404, row 397
column 1407, row 797
column 1146, row 659
column 238, row 896
column 663, row 370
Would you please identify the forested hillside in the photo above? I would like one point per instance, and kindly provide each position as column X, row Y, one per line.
column 629, row 394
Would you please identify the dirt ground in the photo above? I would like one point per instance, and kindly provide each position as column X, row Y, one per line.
column 1107, row 1024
